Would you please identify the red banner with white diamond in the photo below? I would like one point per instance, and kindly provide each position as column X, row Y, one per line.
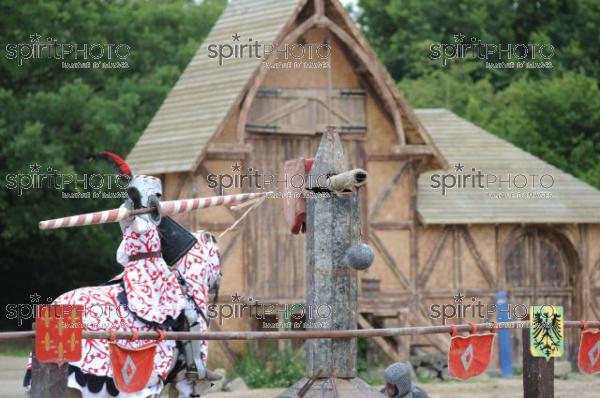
column 589, row 352
column 470, row 355
column 58, row 333
column 132, row 368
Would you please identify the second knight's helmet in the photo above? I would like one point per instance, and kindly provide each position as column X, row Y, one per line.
column 398, row 374
column 145, row 191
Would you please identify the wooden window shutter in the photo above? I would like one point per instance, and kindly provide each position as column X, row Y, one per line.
column 307, row 111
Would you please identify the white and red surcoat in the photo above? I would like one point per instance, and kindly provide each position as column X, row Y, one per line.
column 152, row 287
column 152, row 290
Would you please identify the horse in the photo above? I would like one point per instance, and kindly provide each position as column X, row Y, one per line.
column 92, row 376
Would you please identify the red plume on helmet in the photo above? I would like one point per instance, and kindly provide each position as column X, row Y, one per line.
column 118, row 163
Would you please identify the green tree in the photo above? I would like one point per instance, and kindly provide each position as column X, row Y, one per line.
column 552, row 113
column 557, row 120
column 54, row 117
column 402, row 32
column 544, row 117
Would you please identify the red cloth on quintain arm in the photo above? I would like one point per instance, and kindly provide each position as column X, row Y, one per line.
column 294, row 203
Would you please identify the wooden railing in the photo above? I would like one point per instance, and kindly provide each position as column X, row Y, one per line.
column 50, row 380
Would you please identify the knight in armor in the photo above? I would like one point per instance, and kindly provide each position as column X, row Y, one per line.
column 161, row 278
column 398, row 383
column 152, row 291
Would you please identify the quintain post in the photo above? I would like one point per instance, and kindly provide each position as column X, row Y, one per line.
column 332, row 227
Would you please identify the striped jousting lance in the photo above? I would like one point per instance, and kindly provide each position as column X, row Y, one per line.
column 167, row 208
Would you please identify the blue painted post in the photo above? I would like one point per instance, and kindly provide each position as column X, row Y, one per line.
column 502, row 315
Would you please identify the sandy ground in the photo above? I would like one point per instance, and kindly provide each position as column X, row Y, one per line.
column 12, row 370
column 578, row 386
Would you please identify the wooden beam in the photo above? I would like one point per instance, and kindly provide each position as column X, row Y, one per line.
column 594, row 306
column 182, row 179
column 286, row 109
column 433, row 258
column 382, row 312
column 363, row 193
column 388, row 259
column 228, row 150
column 388, row 190
column 414, row 235
column 380, row 341
column 319, row 7
column 279, row 129
column 444, row 294
column 583, row 280
column 301, row 334
column 392, row 225
column 391, row 300
column 384, row 157
column 478, row 257
column 500, row 270
column 457, row 260
column 413, row 150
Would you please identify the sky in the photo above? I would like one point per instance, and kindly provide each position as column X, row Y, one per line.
column 346, row 2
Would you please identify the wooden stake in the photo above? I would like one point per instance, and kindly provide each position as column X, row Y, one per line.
column 48, row 380
column 538, row 374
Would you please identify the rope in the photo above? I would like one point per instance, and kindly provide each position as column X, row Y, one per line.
column 254, row 203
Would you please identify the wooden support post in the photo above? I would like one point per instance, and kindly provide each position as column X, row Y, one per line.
column 48, row 380
column 332, row 226
column 538, row 374
column 281, row 327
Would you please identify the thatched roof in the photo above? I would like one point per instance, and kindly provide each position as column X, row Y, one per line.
column 206, row 93
column 567, row 200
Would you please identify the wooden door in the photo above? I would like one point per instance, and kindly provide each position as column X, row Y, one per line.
column 540, row 268
column 285, row 124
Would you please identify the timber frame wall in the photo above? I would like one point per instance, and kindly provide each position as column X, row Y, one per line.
column 279, row 116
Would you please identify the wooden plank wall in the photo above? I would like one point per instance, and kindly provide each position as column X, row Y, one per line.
column 275, row 261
